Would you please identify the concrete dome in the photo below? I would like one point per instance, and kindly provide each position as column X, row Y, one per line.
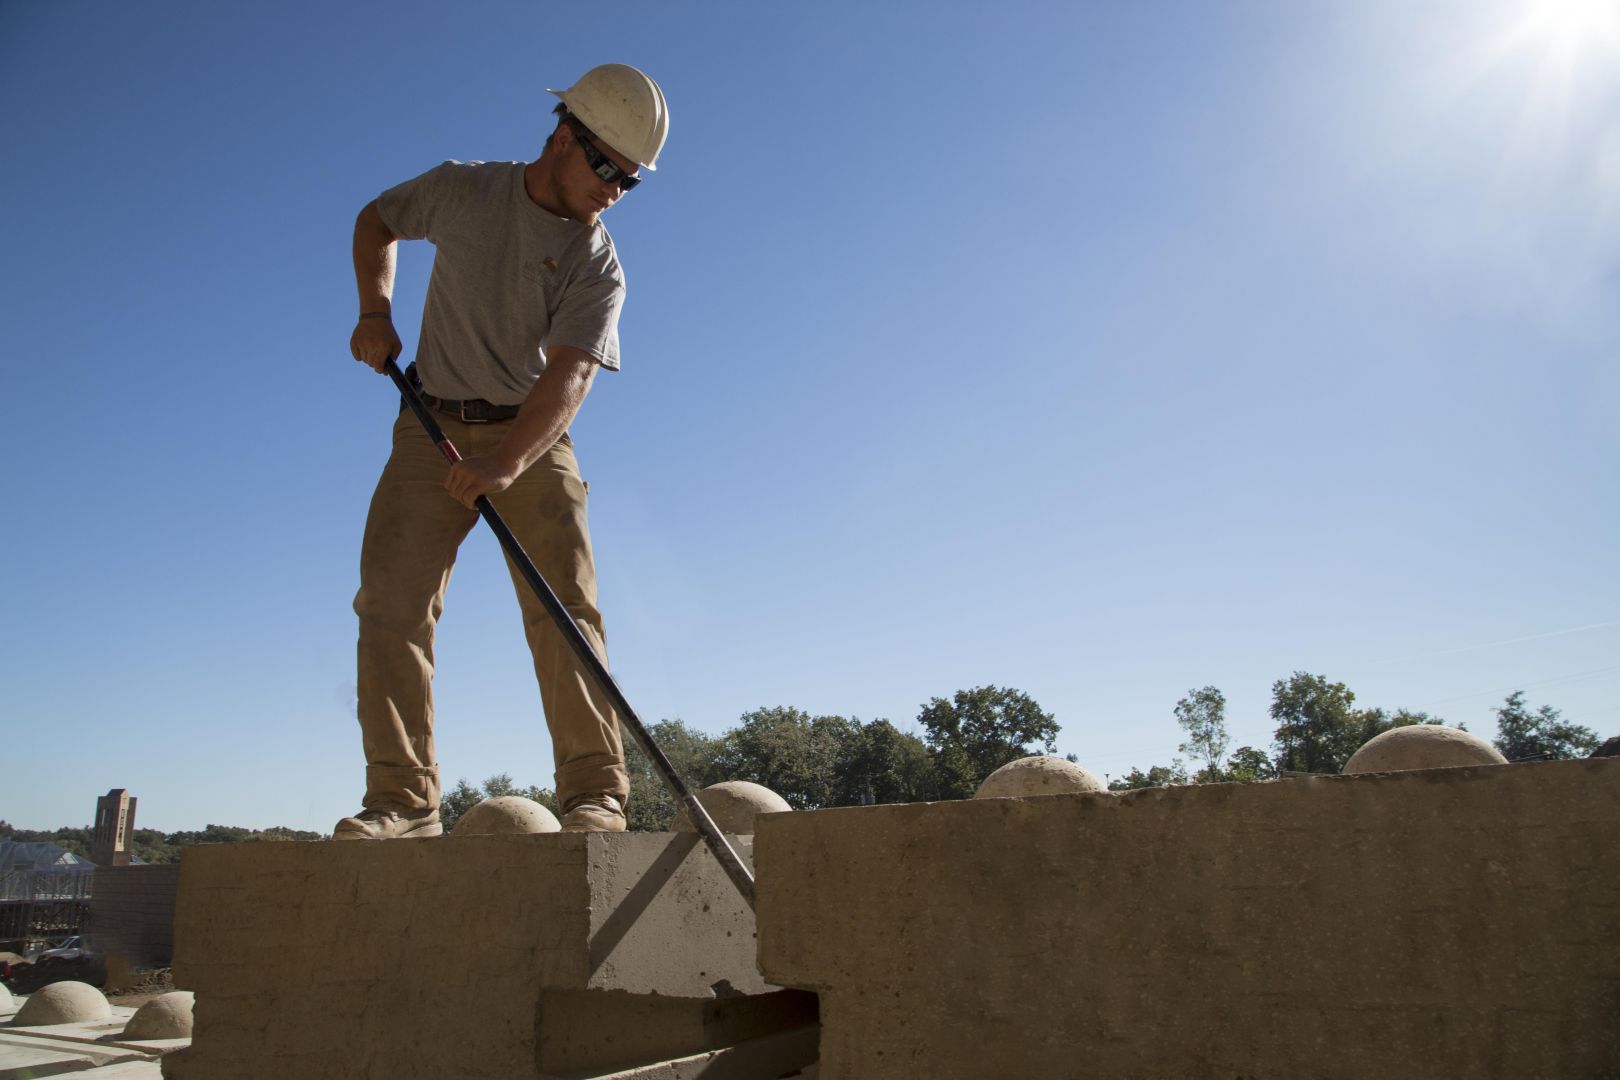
column 1038, row 775
column 507, row 814
column 167, row 1016
column 1422, row 746
column 63, row 1003
column 733, row 805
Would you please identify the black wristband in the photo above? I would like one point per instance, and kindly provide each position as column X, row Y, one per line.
column 376, row 314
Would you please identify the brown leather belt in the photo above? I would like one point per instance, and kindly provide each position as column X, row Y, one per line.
column 474, row 411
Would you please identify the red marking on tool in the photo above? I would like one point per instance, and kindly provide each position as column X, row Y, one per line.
column 449, row 451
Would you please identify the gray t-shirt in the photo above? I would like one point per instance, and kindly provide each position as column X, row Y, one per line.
column 509, row 281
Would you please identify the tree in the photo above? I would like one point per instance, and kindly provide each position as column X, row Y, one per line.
column 980, row 730
column 1377, row 721
column 1247, row 765
column 1524, row 735
column 1156, row 776
column 153, row 846
column 796, row 755
column 1202, row 715
column 693, row 754
column 457, row 801
column 1317, row 726
column 881, row 764
column 464, row 796
column 1319, row 730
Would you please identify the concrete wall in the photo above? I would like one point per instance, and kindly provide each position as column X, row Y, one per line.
column 132, row 913
column 1455, row 922
column 480, row 956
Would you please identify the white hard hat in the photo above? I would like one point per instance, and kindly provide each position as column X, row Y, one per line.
column 623, row 106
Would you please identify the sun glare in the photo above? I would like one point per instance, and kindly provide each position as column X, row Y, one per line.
column 1564, row 56
column 1575, row 27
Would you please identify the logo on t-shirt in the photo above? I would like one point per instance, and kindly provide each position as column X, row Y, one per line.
column 532, row 267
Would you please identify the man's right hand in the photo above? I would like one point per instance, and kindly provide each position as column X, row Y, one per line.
column 374, row 342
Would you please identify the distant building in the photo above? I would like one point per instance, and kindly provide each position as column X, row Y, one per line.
column 44, row 892
column 114, row 835
column 18, row 855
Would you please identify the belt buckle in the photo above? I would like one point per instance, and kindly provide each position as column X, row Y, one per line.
column 465, row 419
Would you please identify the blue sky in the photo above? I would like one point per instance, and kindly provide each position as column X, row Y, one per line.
column 1102, row 351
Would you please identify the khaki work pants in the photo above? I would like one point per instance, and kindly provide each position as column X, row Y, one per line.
column 412, row 533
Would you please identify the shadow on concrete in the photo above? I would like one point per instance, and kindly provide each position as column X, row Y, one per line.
column 635, row 903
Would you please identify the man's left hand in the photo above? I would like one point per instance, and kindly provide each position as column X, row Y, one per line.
column 472, row 477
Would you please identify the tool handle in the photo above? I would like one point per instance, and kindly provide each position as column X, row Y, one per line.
column 735, row 868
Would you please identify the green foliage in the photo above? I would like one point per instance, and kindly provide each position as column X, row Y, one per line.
column 978, row 731
column 1202, row 715
column 811, row 761
column 1541, row 735
column 882, row 764
column 693, row 754
column 1378, row 721
column 819, row 761
column 796, row 755
column 1247, row 765
column 457, row 801
column 154, row 847
column 464, row 796
column 74, row 841
column 151, row 845
column 1156, row 776
column 1318, row 729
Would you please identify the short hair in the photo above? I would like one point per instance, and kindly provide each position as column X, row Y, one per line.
column 568, row 120
column 565, row 117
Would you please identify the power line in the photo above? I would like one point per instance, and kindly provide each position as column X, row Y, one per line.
column 1524, row 686
column 1499, row 644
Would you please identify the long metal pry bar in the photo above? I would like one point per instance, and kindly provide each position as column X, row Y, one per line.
column 734, row 867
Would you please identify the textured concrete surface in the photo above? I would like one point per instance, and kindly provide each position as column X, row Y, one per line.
column 507, row 814
column 167, row 1016
column 80, row 1047
column 1456, row 922
column 1040, row 774
column 463, row 956
column 733, row 805
column 63, row 1003
column 1422, row 746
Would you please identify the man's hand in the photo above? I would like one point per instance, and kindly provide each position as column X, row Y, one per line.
column 472, row 477
column 374, row 342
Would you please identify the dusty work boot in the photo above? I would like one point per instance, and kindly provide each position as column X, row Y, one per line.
column 594, row 813
column 388, row 823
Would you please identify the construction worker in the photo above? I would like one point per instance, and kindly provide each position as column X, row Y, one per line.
column 522, row 309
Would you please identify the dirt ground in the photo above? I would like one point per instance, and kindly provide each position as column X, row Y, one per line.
column 151, row 985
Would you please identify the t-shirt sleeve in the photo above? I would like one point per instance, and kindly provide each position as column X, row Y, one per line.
column 418, row 208
column 588, row 317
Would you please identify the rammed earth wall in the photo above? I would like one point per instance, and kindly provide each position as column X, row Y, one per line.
column 476, row 957
column 1453, row 922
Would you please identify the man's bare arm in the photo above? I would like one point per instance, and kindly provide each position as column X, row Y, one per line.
column 545, row 415
column 374, row 339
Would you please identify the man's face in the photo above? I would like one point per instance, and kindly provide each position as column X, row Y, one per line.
column 585, row 193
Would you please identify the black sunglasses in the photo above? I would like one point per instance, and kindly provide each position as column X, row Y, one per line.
column 603, row 166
